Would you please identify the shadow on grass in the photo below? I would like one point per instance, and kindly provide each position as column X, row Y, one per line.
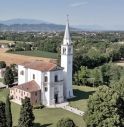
column 79, row 95
column 39, row 125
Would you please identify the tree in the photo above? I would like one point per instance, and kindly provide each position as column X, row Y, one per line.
column 104, row 109
column 2, row 64
column 14, row 69
column 119, row 88
column 82, row 74
column 111, row 73
column 115, row 73
column 26, row 114
column 105, row 70
column 8, row 112
column 2, row 115
column 96, row 75
column 66, row 122
column 28, row 47
column 8, row 76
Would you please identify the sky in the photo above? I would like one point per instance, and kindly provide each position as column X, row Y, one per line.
column 106, row 13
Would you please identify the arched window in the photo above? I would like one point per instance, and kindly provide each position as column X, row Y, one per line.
column 46, row 89
column 69, row 50
column 21, row 72
column 33, row 76
column 64, row 50
column 45, row 79
column 56, row 78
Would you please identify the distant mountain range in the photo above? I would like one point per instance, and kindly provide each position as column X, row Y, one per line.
column 23, row 21
column 89, row 27
column 31, row 25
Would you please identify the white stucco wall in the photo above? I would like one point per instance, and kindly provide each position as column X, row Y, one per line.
column 21, row 78
column 56, row 87
column 47, row 97
column 66, row 63
column 53, row 87
column 2, row 71
column 38, row 76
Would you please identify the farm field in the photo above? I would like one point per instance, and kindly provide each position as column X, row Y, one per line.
column 49, row 117
column 17, row 59
column 37, row 54
column 6, row 41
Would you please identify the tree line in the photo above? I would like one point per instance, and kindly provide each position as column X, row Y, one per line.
column 103, row 75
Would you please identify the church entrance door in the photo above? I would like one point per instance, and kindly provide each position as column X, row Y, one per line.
column 56, row 98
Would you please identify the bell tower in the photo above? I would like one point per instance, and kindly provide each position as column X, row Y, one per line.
column 67, row 61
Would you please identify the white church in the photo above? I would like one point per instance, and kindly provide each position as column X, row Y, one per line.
column 46, row 82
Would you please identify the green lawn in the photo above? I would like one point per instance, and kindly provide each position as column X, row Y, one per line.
column 82, row 94
column 45, row 117
column 38, row 54
column 1, row 79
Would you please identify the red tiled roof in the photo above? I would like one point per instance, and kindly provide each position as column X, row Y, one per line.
column 30, row 86
column 41, row 65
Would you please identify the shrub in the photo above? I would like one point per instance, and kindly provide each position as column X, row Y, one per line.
column 10, row 50
column 66, row 122
column 2, row 64
column 19, row 49
column 38, row 106
column 10, row 97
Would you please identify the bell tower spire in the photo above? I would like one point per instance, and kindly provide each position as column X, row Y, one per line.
column 67, row 61
column 67, row 38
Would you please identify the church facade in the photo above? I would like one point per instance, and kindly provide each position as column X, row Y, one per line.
column 46, row 82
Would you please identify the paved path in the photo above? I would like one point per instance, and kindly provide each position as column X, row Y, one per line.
column 2, row 85
column 65, row 106
column 15, row 101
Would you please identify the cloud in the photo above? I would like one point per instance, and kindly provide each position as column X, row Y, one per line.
column 78, row 4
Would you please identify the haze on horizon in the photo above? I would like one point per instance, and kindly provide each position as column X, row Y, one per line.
column 103, row 13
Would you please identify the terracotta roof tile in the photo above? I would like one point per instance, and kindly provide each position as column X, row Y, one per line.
column 41, row 65
column 30, row 86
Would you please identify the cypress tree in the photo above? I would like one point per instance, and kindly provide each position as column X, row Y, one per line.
column 8, row 76
column 2, row 64
column 2, row 115
column 8, row 112
column 26, row 114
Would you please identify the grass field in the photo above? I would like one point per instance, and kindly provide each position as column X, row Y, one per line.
column 49, row 117
column 38, row 54
column 82, row 94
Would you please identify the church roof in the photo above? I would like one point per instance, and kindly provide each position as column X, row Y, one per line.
column 30, row 86
column 43, row 66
